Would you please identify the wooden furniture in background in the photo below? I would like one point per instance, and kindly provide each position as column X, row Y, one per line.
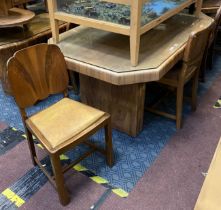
column 125, row 103
column 10, row 16
column 209, row 197
column 134, row 30
column 35, row 73
column 21, row 2
column 107, row 80
column 5, row 5
column 16, row 17
column 185, row 71
column 13, row 39
column 210, row 6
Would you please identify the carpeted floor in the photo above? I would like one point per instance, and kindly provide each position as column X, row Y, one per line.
column 175, row 178
column 133, row 156
column 178, row 167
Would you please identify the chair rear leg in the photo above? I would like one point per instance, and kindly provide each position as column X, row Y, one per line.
column 31, row 146
column 179, row 106
column 203, row 66
column 59, row 179
column 210, row 56
column 194, row 92
column 108, row 145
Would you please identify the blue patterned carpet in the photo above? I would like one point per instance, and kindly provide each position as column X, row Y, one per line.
column 133, row 156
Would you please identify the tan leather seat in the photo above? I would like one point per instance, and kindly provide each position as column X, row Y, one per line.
column 57, row 129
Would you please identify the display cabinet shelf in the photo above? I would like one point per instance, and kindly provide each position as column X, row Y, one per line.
column 129, row 17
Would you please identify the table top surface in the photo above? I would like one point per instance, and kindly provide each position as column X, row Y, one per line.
column 16, row 16
column 106, row 56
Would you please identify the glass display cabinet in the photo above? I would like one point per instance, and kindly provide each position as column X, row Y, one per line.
column 129, row 17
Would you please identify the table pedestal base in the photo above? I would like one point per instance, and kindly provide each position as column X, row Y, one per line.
column 124, row 103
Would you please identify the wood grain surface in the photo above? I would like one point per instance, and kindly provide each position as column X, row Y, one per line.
column 16, row 16
column 35, row 73
column 38, row 78
column 5, row 5
column 106, row 56
column 124, row 103
column 15, row 38
column 211, row 6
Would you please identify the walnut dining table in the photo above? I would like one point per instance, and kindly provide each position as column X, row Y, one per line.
column 107, row 79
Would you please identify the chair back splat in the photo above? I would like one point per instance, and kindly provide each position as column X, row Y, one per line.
column 196, row 44
column 179, row 75
column 36, row 73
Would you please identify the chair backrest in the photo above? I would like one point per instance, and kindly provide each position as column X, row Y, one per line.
column 217, row 21
column 36, row 72
column 195, row 47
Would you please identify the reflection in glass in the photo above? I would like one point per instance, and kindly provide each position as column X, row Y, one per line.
column 116, row 13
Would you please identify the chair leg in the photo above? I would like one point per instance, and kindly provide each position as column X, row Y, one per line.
column 179, row 106
column 203, row 66
column 194, row 92
column 210, row 56
column 31, row 146
column 108, row 141
column 59, row 179
column 73, row 81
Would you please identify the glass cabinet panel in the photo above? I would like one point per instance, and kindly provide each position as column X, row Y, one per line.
column 116, row 13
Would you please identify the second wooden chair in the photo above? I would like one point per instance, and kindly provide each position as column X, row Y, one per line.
column 183, row 72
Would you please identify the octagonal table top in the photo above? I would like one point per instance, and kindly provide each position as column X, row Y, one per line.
column 106, row 56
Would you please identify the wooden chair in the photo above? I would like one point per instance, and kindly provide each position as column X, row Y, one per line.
column 209, row 51
column 210, row 7
column 35, row 73
column 183, row 72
